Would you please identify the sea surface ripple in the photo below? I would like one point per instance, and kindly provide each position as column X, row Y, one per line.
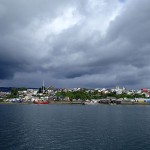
column 74, row 127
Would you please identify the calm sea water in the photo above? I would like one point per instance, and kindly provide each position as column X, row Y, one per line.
column 74, row 127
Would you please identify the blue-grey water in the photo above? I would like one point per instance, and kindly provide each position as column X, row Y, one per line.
column 74, row 127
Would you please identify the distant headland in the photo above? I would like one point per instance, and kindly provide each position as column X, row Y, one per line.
column 52, row 95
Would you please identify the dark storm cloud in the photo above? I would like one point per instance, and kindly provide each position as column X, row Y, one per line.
column 71, row 43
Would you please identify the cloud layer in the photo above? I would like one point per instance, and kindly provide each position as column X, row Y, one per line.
column 88, row 43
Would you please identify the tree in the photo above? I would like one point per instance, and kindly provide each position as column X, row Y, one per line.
column 40, row 90
column 23, row 89
column 14, row 92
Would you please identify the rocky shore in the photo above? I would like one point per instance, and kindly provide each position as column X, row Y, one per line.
column 82, row 103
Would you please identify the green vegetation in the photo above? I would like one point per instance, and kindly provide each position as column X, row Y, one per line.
column 84, row 95
column 13, row 94
column 1, row 100
column 23, row 89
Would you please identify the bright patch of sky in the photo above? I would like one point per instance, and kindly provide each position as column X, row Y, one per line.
column 64, row 21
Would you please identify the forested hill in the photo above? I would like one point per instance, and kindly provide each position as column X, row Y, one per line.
column 5, row 89
column 8, row 89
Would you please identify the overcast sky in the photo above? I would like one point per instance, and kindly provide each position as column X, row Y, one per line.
column 75, row 43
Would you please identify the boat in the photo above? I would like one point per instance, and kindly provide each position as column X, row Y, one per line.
column 40, row 102
column 93, row 102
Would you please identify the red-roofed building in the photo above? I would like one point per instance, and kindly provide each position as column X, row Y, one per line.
column 144, row 90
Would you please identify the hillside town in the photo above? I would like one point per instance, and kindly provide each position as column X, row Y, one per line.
column 50, row 94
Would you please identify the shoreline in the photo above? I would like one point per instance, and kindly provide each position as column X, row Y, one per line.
column 75, row 103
